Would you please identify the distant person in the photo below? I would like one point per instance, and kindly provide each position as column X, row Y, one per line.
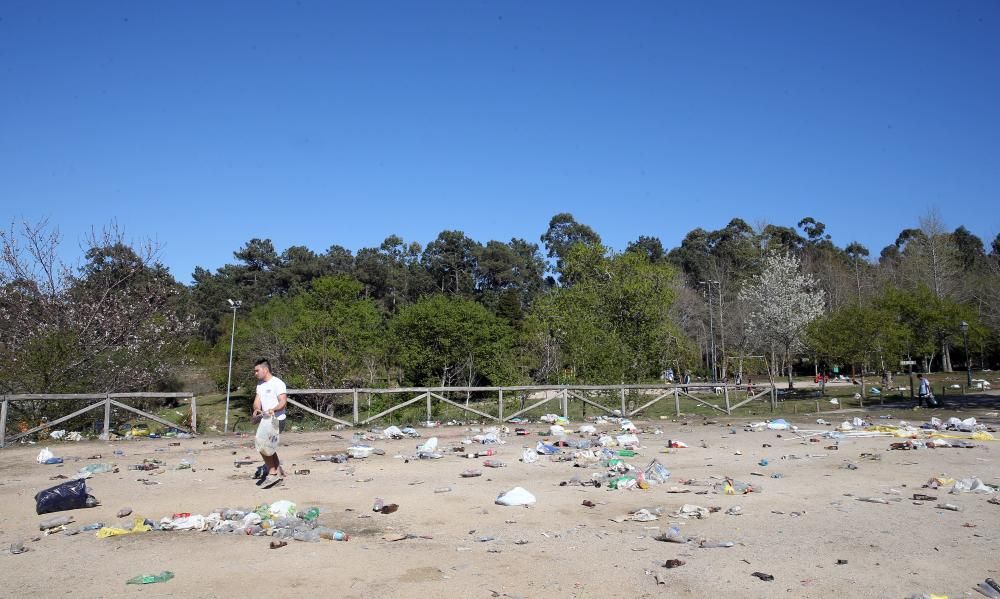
column 924, row 394
column 271, row 399
column 670, row 375
column 687, row 380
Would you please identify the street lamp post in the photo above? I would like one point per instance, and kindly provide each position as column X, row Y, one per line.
column 968, row 359
column 229, row 381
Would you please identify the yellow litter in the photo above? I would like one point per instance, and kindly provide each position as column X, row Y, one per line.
column 111, row 531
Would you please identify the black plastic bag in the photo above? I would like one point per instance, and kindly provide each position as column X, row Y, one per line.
column 70, row 495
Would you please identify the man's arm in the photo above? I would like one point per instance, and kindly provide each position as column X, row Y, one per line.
column 256, row 405
column 282, row 402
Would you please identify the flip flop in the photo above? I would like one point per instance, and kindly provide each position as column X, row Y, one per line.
column 272, row 480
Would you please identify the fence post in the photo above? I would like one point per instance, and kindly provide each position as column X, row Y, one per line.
column 565, row 403
column 194, row 414
column 107, row 416
column 3, row 422
column 725, row 390
column 355, row 406
column 500, row 407
column 677, row 402
column 428, row 406
column 624, row 410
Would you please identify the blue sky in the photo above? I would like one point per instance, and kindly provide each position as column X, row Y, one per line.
column 203, row 125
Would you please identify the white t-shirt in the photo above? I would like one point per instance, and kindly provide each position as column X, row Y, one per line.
column 268, row 392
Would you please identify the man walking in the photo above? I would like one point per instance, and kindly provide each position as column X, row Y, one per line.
column 270, row 400
column 924, row 395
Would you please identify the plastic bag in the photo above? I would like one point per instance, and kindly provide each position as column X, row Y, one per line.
column 282, row 508
column 516, row 496
column 545, row 449
column 656, row 473
column 70, row 495
column 529, row 456
column 266, row 440
column 429, row 446
column 44, row 455
column 628, row 440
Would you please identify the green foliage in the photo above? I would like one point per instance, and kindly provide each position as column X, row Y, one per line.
column 613, row 322
column 858, row 335
column 325, row 337
column 445, row 341
column 928, row 319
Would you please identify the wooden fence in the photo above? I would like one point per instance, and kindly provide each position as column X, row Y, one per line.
column 539, row 395
column 105, row 400
column 731, row 396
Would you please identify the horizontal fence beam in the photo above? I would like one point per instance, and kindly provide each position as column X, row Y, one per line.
column 83, row 396
column 388, row 390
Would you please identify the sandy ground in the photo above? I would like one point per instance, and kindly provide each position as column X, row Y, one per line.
column 796, row 529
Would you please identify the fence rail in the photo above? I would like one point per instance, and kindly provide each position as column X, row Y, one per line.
column 532, row 397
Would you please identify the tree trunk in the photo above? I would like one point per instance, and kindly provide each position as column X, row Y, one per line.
column 788, row 364
column 946, row 357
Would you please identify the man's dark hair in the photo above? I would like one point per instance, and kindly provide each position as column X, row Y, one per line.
column 263, row 362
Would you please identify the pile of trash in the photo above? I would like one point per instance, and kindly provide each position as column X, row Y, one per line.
column 965, row 485
column 394, row 432
column 969, row 425
column 279, row 520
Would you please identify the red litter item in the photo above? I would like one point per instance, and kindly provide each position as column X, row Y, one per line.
column 181, row 515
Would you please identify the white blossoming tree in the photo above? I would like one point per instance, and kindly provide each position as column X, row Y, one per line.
column 781, row 302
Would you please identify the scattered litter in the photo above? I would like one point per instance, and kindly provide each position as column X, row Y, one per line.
column 151, row 578
column 691, row 511
column 515, row 496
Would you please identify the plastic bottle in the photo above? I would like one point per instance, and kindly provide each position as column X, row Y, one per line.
column 333, row 535
column 54, row 522
column 94, row 526
column 311, row 515
column 151, row 578
column 378, row 505
column 984, row 588
column 443, row 490
column 494, row 464
column 309, row 536
column 673, row 535
column 706, row 544
column 288, row 522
